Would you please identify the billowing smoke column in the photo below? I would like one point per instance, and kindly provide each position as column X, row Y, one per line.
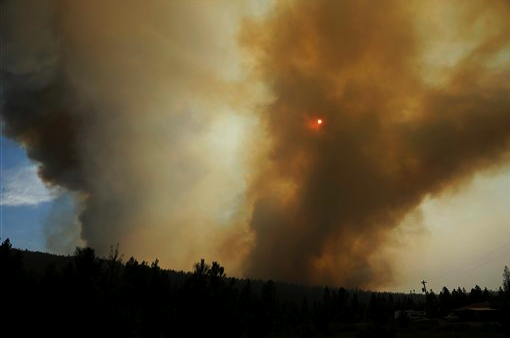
column 130, row 107
column 396, row 126
column 141, row 110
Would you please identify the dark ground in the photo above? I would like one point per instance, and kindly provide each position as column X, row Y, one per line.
column 86, row 296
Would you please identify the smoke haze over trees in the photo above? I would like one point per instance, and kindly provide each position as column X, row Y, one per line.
column 85, row 295
column 131, row 108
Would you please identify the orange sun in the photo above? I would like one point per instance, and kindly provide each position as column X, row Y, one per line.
column 314, row 123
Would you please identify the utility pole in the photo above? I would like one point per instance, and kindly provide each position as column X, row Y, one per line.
column 424, row 289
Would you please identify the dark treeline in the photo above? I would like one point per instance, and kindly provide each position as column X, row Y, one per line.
column 84, row 295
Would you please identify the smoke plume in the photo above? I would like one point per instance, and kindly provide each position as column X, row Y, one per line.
column 177, row 145
column 397, row 125
column 133, row 108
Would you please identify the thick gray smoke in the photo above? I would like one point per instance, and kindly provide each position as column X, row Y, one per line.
column 143, row 110
column 131, row 107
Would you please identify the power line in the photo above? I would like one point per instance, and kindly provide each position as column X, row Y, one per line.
column 488, row 261
column 473, row 262
column 495, row 250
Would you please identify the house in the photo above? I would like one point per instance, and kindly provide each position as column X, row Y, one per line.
column 475, row 312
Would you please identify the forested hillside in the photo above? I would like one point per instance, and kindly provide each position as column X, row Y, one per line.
column 84, row 295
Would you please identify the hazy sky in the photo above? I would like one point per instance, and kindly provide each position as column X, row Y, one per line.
column 185, row 130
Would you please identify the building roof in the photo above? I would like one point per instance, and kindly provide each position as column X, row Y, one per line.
column 476, row 307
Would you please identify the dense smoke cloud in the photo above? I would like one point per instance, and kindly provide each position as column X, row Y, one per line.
column 131, row 107
column 393, row 130
column 143, row 111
